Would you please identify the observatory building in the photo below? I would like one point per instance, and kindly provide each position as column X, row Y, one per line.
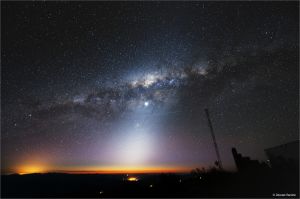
column 284, row 156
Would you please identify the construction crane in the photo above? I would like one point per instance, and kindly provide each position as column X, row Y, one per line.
column 214, row 140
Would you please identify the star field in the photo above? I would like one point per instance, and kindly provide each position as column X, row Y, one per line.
column 125, row 84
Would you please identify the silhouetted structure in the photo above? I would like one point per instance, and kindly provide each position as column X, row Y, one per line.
column 219, row 162
column 244, row 163
column 284, row 157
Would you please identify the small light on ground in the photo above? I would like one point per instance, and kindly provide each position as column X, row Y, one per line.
column 151, row 186
column 132, row 179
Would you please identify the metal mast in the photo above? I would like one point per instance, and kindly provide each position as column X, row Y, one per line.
column 214, row 139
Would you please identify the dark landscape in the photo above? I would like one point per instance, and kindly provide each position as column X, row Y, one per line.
column 253, row 179
column 212, row 184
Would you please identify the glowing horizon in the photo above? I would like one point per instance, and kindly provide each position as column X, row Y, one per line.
column 32, row 170
column 29, row 169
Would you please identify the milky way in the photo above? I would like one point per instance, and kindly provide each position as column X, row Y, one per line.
column 125, row 84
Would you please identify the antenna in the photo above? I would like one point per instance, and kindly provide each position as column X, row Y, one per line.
column 214, row 139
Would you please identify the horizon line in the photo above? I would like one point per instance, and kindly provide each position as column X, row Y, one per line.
column 99, row 172
column 103, row 171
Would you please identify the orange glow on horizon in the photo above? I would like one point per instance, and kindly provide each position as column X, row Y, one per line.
column 31, row 169
column 120, row 170
column 101, row 170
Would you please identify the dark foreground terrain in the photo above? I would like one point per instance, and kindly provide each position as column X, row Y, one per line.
column 210, row 184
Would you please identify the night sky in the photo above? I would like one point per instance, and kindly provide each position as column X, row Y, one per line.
column 123, row 85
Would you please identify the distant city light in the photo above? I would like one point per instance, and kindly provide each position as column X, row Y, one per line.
column 31, row 169
column 132, row 179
